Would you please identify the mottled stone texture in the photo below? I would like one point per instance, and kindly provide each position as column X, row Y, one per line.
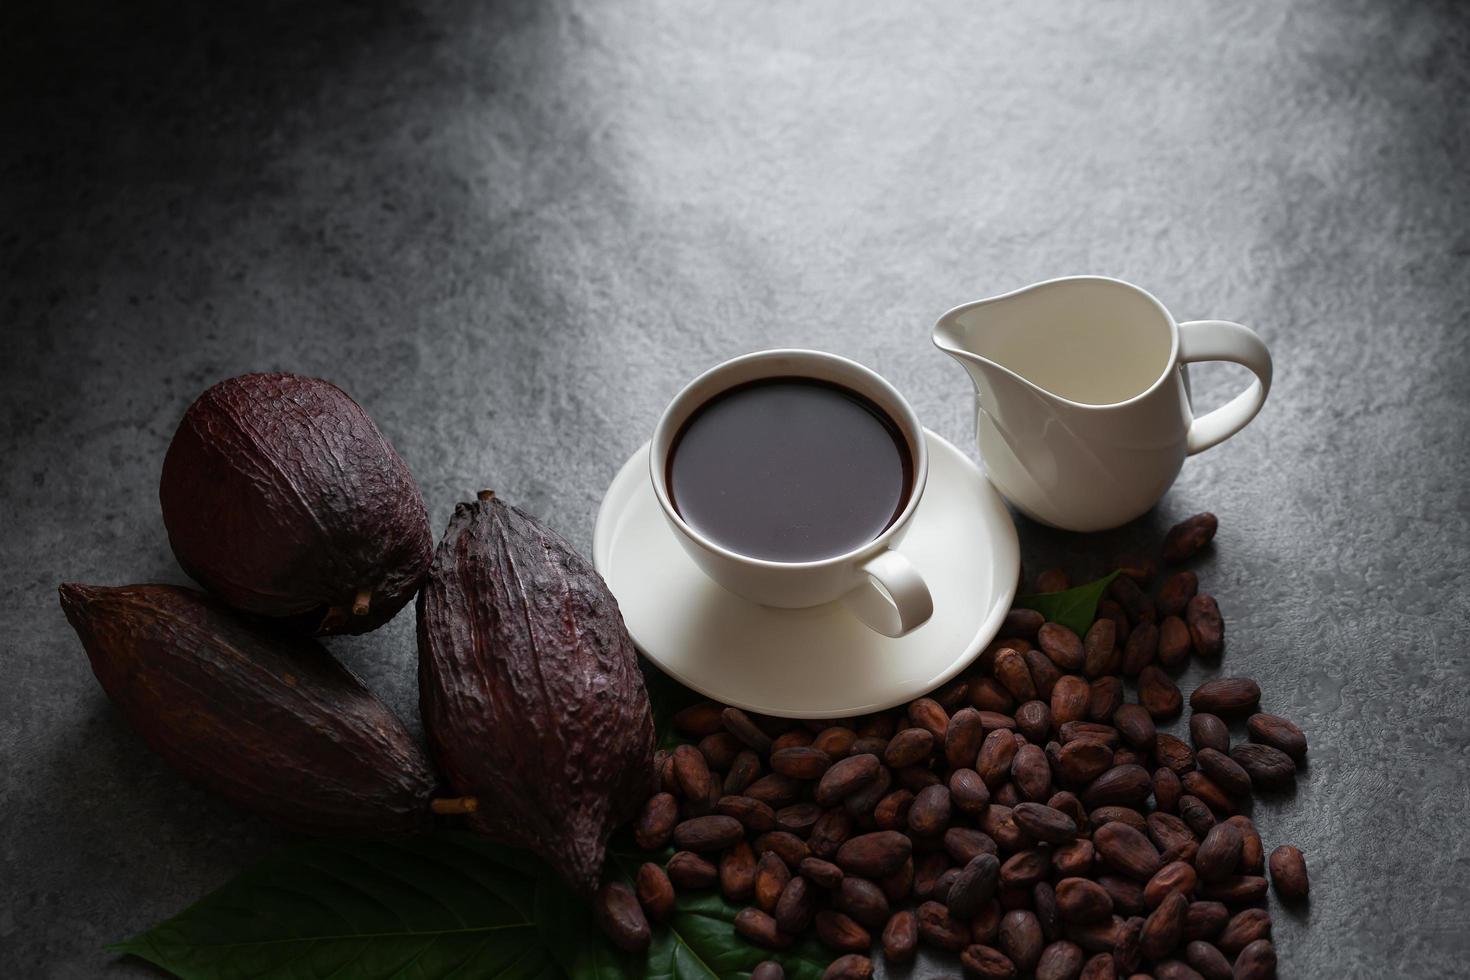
column 512, row 230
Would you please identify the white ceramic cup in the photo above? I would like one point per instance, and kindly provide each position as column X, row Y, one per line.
column 878, row 584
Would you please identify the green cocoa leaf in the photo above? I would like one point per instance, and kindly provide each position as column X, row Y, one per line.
column 1075, row 608
column 441, row 906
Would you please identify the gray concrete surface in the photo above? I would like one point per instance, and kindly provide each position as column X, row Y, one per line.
column 512, row 230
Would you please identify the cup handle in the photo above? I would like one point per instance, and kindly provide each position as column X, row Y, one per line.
column 1221, row 340
column 895, row 600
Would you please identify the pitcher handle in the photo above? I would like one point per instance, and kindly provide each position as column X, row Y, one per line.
column 894, row 600
column 1221, row 340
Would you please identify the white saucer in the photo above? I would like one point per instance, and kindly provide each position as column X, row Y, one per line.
column 819, row 662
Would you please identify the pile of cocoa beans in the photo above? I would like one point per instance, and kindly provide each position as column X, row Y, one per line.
column 1026, row 817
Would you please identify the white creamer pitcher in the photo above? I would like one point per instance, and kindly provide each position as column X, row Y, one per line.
column 1082, row 413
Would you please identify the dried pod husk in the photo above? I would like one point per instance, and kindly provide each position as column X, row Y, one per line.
column 282, row 498
column 272, row 723
column 530, row 690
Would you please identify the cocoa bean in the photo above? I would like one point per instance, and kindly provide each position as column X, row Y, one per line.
column 798, row 818
column 743, row 771
column 861, row 900
column 698, row 720
column 1174, row 643
column 892, row 812
column 1175, row 593
column 1177, row 876
column 1097, row 935
column 1135, row 602
column 737, row 873
column 1239, row 890
column 1068, row 803
column 929, row 714
column 835, row 740
column 1044, row 904
column 690, row 872
column 1020, row 939
column 840, row 932
column 986, row 963
column 1204, row 920
column 739, row 724
column 1206, row 627
column 1074, row 730
column 870, row 745
column 996, row 754
column 1196, row 814
column 1174, row 753
column 1033, row 719
column 1163, row 930
column 830, row 831
column 655, row 892
column 1118, row 814
column 1070, row 699
column 800, row 762
column 1031, row 773
column 998, row 823
column 1252, row 852
column 1083, row 760
column 929, row 814
column 1044, row 673
column 1289, row 873
column 759, row 928
column 621, row 917
column 1128, row 785
column 1061, row 960
column 1100, row 649
column 985, row 927
column 1105, row 697
column 823, row 874
column 900, row 939
column 914, row 778
column 771, row 878
column 720, row 749
column 1141, row 649
column 1268, row 768
column 1277, row 732
column 1062, row 647
column 1021, row 622
column 845, row 778
column 1111, row 609
column 755, row 816
column 967, row 792
column 1167, row 789
column 1256, row 962
column 1053, row 580
column 1198, row 784
column 1127, row 946
column 853, row 966
column 941, row 930
column 1226, row 696
column 1044, row 823
column 909, row 747
column 1099, row 967
column 1011, row 670
column 794, row 908
column 874, row 855
column 963, row 843
column 1244, row 928
column 1224, row 772
column 1125, row 849
column 1186, row 538
column 986, row 694
column 1208, row 731
column 993, row 720
column 1174, row 970
column 1158, row 694
column 709, row 833
column 1083, row 901
column 656, row 821
column 1025, row 868
column 974, row 886
column 1207, row 960
column 1127, row 894
column 898, row 885
column 1074, row 860
column 776, row 790
column 962, row 738
column 768, row 970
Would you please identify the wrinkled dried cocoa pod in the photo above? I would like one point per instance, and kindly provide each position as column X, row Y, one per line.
column 271, row 723
column 530, row 690
column 281, row 497
column 1187, row 537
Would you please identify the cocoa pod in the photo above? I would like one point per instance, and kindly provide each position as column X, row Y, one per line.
column 1224, row 772
column 1062, row 646
column 1226, row 696
column 1044, row 823
column 655, row 892
column 1100, row 649
column 1083, row 901
column 1044, row 673
column 1105, row 698
column 794, row 909
column 738, row 872
column 709, row 833
column 1175, row 593
column 1279, row 733
column 929, row 814
column 800, row 762
column 788, row 847
column 1020, row 939
column 900, row 938
column 941, row 930
column 962, row 738
column 909, row 747
column 1206, row 626
column 699, row 719
column 1186, row 538
column 874, row 855
column 1167, row 789
column 1268, row 768
column 1127, row 785
column 823, row 874
column 1125, row 849
column 1021, row 622
column 1163, row 930
column 1060, row 960
column 853, row 966
column 1011, row 670
column 1158, row 694
column 621, row 917
column 1204, row 920
column 1174, row 642
column 1033, row 719
column 986, row 963
column 1208, row 731
column 840, row 932
column 690, row 872
column 1208, row 961
column 565, row 758
column 862, row 901
column 930, row 715
column 759, row 928
column 1289, row 873
column 1069, row 699
column 846, row 777
column 1256, row 962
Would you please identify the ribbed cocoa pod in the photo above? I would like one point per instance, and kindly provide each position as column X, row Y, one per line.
column 621, row 917
column 530, row 690
column 282, row 498
column 1289, row 873
column 1186, row 538
column 1279, row 733
column 271, row 723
